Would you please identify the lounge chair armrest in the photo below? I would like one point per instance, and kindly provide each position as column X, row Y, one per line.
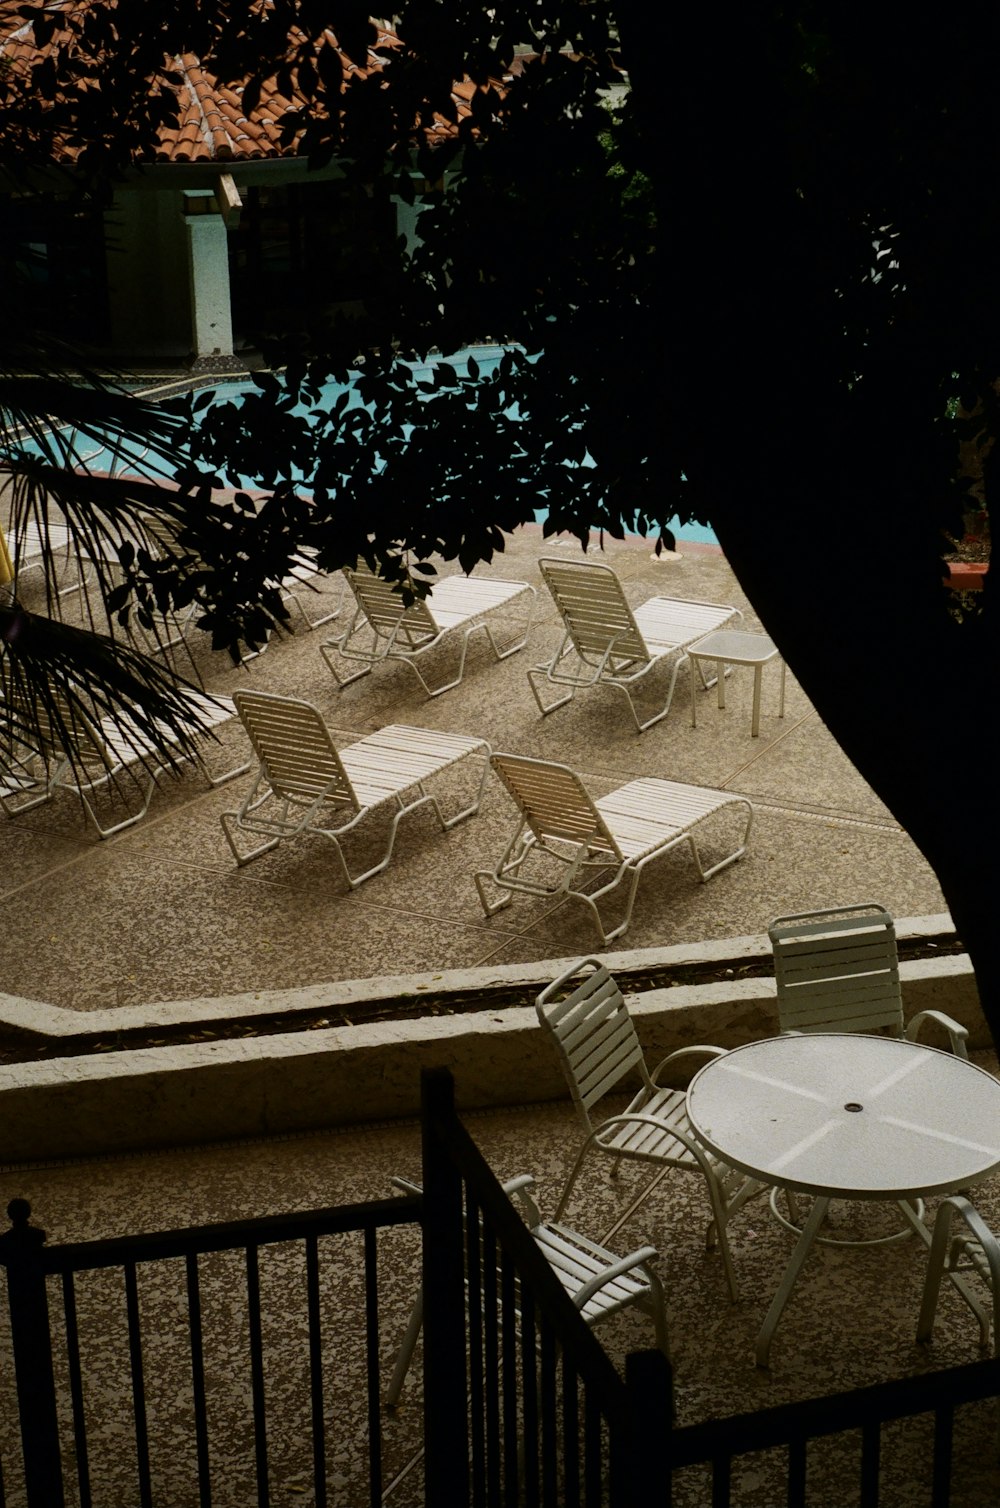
column 701, row 1049
column 980, row 1233
column 637, row 1118
column 520, row 1188
column 515, row 1185
column 958, row 1035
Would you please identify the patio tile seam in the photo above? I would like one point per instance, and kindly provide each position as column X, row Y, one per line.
column 829, row 817
column 768, row 747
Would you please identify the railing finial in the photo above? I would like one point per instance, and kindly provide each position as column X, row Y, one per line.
column 19, row 1212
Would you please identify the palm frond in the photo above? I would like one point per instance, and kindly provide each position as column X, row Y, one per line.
column 56, row 678
column 143, row 548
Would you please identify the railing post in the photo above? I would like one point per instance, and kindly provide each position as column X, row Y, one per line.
column 649, row 1413
column 31, row 1339
column 446, row 1427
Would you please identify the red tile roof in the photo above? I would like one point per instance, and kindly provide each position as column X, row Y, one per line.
column 212, row 124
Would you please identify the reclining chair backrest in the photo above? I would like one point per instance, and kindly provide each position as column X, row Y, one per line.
column 384, row 608
column 594, row 609
column 594, row 1036
column 294, row 746
column 554, row 801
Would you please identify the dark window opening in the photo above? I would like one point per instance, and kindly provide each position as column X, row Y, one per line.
column 59, row 251
column 303, row 250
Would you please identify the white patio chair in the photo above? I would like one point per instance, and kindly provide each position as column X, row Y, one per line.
column 586, row 1016
column 90, row 753
column 304, row 784
column 562, row 827
column 838, row 970
column 599, row 1282
column 607, row 644
column 382, row 628
column 975, row 1253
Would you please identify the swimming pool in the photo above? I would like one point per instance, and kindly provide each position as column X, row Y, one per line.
column 144, row 461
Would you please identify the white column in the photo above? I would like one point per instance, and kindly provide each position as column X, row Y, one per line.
column 208, row 269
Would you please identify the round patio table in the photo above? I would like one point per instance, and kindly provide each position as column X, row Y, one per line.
column 847, row 1117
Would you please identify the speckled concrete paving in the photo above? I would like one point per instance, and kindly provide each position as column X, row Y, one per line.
column 162, row 913
column 851, row 1321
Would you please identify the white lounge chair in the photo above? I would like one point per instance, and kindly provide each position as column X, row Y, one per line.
column 90, row 753
column 297, row 588
column 607, row 644
column 304, row 784
column 586, row 1015
column 26, row 551
column 837, row 970
column 382, row 628
column 599, row 1282
column 562, row 825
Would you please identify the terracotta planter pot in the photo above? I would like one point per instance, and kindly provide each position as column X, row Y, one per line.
column 966, row 575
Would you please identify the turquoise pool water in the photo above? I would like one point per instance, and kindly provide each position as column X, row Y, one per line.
column 143, row 462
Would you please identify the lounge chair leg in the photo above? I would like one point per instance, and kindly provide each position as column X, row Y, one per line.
column 404, row 1355
column 243, row 858
column 217, row 780
column 439, row 690
column 130, row 821
column 490, row 907
column 328, row 651
column 539, row 672
column 571, row 1180
column 658, row 716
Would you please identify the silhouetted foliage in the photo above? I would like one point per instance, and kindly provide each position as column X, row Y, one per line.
column 757, row 288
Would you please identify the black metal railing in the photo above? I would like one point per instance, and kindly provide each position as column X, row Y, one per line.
column 795, row 1428
column 523, row 1404
column 64, row 1353
column 209, row 1364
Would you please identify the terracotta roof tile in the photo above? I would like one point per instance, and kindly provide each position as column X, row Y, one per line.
column 212, row 124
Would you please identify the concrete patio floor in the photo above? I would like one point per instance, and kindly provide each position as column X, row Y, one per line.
column 161, row 914
column 851, row 1321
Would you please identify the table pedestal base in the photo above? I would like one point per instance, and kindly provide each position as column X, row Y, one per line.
column 791, row 1224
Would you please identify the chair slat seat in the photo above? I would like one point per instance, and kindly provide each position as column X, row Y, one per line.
column 657, row 1142
column 561, row 825
column 304, row 784
column 645, row 814
column 384, row 628
column 605, row 643
column 598, row 1282
column 397, row 757
column 668, row 624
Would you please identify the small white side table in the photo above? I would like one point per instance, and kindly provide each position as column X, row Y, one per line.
column 729, row 646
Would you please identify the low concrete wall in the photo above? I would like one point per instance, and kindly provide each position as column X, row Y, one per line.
column 75, row 1106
